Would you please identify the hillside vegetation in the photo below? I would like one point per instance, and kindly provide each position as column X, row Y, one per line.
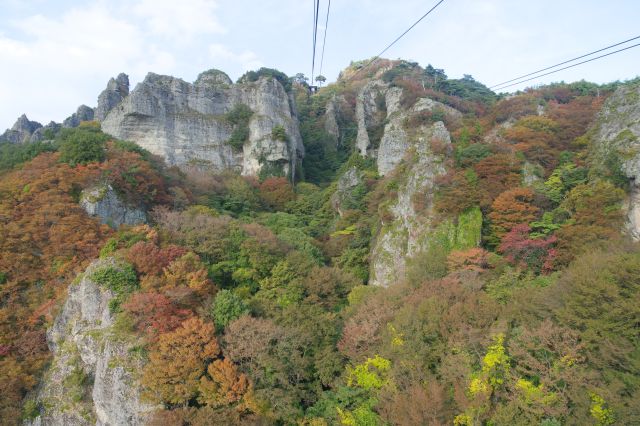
column 248, row 297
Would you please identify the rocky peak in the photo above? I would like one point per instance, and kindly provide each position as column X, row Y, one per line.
column 83, row 113
column 21, row 131
column 213, row 77
column 23, row 124
column 187, row 123
column 117, row 89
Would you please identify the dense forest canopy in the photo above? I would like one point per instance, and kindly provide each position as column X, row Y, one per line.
column 248, row 297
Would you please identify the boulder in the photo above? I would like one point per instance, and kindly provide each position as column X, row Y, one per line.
column 102, row 201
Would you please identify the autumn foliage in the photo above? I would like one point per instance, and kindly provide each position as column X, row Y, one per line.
column 511, row 208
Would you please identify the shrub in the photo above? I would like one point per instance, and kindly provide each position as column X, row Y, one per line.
column 13, row 154
column 278, row 133
column 227, row 306
column 121, row 280
column 118, row 279
column 239, row 118
column 251, row 76
column 82, row 145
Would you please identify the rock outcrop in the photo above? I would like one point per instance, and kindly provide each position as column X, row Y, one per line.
column 21, row 131
column 83, row 113
column 92, row 378
column 187, row 124
column 335, row 107
column 616, row 140
column 406, row 231
column 46, row 132
column 103, row 201
column 370, row 112
column 117, row 89
column 344, row 197
column 383, row 132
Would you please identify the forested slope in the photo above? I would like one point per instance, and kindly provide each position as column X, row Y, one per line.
column 443, row 255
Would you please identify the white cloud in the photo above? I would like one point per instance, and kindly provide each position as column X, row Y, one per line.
column 246, row 60
column 179, row 19
column 53, row 64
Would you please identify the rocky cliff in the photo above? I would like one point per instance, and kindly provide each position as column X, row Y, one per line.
column 103, row 202
column 188, row 124
column 409, row 143
column 92, row 378
column 384, row 130
column 406, row 228
column 616, row 146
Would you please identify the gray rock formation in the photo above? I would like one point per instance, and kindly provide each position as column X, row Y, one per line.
column 397, row 136
column 343, row 198
column 369, row 114
column 21, row 131
column 406, row 233
column 617, row 134
column 185, row 123
column 117, row 89
column 103, row 202
column 83, row 113
column 46, row 132
column 92, row 379
column 379, row 105
column 331, row 119
column 531, row 173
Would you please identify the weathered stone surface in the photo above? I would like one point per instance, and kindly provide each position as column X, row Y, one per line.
column 46, row 132
column 84, row 113
column 103, row 202
column 185, row 123
column 531, row 173
column 331, row 120
column 117, row 89
column 343, row 197
column 21, row 131
column 617, row 134
column 396, row 139
column 407, row 233
column 83, row 345
column 367, row 113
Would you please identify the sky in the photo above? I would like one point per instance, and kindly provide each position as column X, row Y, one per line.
column 57, row 55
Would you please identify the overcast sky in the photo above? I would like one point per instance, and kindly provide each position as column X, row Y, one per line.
column 56, row 55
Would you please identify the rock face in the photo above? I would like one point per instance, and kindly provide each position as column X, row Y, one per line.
column 335, row 107
column 369, row 114
column 406, row 231
column 84, row 113
column 344, row 196
column 383, row 132
column 46, row 132
column 617, row 135
column 395, row 140
column 21, row 131
column 92, row 379
column 103, row 202
column 117, row 89
column 186, row 123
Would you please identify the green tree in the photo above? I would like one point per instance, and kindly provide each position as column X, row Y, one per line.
column 227, row 306
column 82, row 145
